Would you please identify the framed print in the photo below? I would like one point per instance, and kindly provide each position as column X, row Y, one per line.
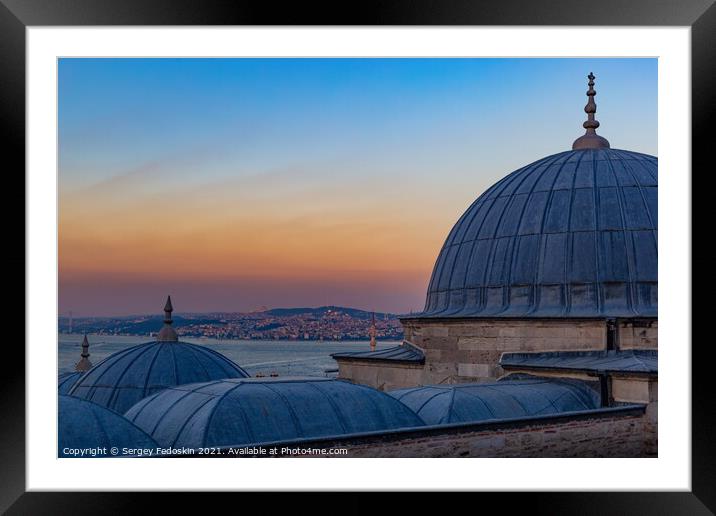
column 423, row 241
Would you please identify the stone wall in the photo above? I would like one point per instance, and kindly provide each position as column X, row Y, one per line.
column 381, row 375
column 623, row 388
column 638, row 334
column 626, row 389
column 617, row 432
column 610, row 437
column 634, row 389
column 469, row 350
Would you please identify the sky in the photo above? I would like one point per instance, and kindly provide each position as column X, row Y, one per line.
column 236, row 184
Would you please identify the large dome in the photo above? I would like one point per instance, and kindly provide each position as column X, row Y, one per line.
column 571, row 235
column 124, row 378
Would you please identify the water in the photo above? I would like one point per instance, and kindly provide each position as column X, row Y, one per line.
column 285, row 358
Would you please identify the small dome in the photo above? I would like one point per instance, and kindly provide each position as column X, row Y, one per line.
column 65, row 381
column 124, row 378
column 261, row 410
column 571, row 235
column 464, row 403
column 83, row 425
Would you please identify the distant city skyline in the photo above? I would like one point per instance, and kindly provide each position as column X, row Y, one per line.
column 233, row 184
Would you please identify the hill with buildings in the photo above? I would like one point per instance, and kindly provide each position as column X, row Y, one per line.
column 306, row 323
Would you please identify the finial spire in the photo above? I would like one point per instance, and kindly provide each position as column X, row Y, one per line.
column 84, row 364
column 372, row 332
column 167, row 333
column 590, row 140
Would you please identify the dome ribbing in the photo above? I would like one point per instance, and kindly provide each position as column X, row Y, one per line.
column 83, row 425
column 261, row 410
column 124, row 378
column 571, row 235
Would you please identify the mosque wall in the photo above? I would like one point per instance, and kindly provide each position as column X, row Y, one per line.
column 634, row 390
column 638, row 334
column 623, row 388
column 458, row 351
column 626, row 389
column 606, row 434
column 381, row 376
column 612, row 437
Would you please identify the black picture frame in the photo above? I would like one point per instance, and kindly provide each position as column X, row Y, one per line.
column 16, row 15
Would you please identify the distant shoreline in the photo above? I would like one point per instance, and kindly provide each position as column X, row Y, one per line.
column 215, row 339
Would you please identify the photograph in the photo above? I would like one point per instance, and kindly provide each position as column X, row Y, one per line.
column 357, row 257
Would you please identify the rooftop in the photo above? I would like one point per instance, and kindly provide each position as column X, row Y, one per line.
column 125, row 377
column 404, row 353
column 65, row 381
column 508, row 399
column 631, row 361
column 243, row 411
column 83, row 425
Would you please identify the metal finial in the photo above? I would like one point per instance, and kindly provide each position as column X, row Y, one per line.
column 372, row 332
column 590, row 140
column 84, row 364
column 168, row 309
column 167, row 333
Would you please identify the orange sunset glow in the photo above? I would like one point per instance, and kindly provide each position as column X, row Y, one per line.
column 233, row 184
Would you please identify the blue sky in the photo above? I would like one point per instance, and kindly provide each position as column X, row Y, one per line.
column 117, row 113
column 401, row 146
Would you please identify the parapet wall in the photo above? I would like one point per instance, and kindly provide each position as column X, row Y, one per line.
column 608, row 437
column 615, row 432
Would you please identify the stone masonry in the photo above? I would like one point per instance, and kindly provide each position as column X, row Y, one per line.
column 469, row 350
column 381, row 375
column 638, row 334
column 458, row 351
column 610, row 437
column 614, row 434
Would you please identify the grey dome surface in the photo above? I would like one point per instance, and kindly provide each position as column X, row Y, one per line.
column 473, row 402
column 65, row 381
column 571, row 235
column 261, row 410
column 635, row 361
column 124, row 378
column 82, row 425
